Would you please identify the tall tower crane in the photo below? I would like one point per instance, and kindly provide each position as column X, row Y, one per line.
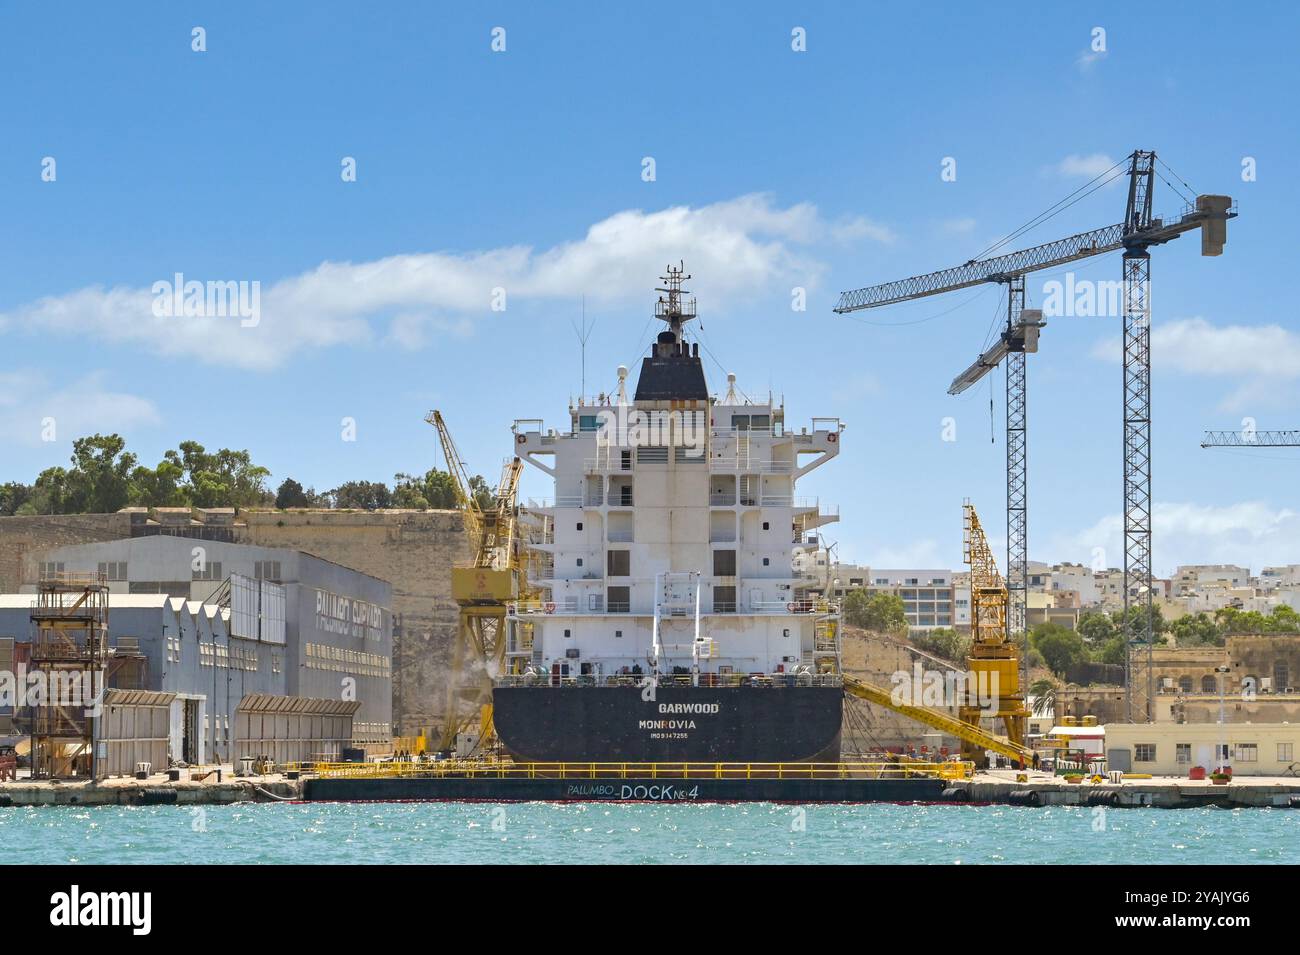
column 481, row 588
column 1136, row 234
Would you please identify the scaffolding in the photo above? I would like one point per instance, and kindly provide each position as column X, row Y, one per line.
column 69, row 656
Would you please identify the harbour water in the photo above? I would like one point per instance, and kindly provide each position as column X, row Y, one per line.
column 544, row 833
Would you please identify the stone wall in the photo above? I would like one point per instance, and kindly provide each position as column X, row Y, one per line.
column 868, row 727
column 21, row 537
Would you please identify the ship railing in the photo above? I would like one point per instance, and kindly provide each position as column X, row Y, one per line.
column 749, row 465
column 726, row 431
column 675, row 679
column 783, row 606
column 506, row 769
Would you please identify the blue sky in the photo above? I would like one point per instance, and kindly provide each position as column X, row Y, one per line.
column 522, row 169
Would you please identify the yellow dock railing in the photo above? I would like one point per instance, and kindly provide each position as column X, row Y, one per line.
column 505, row 769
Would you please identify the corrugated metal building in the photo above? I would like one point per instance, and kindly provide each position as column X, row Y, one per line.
column 225, row 627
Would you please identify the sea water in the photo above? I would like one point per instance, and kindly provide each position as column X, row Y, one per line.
column 645, row 833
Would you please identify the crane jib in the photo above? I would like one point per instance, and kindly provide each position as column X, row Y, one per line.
column 996, row 269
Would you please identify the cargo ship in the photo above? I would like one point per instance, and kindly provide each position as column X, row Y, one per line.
column 669, row 622
column 669, row 648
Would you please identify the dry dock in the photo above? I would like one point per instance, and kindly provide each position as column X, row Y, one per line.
column 157, row 790
column 1162, row 792
column 997, row 787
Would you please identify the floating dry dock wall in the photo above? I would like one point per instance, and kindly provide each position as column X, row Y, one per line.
column 657, row 786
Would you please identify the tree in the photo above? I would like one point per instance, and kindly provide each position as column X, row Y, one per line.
column 1043, row 693
column 1282, row 619
column 440, row 490
column 364, row 495
column 1096, row 627
column 291, row 494
column 1196, row 630
column 1133, row 623
column 1112, row 651
column 13, row 496
column 881, row 612
column 160, row 486
column 1060, row 646
column 943, row 642
column 482, row 494
column 408, row 492
column 222, row 479
column 99, row 482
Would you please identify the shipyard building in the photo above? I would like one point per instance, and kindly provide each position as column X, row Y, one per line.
column 251, row 651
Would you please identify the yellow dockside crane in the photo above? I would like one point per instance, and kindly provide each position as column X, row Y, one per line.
column 994, row 661
column 994, row 664
column 482, row 588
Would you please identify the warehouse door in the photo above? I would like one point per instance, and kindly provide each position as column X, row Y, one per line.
column 190, row 733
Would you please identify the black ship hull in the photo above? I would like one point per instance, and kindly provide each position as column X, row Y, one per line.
column 734, row 724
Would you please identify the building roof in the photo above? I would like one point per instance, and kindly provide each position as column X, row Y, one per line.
column 115, row 601
column 1083, row 732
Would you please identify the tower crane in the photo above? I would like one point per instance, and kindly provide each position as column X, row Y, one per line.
column 1135, row 235
column 482, row 587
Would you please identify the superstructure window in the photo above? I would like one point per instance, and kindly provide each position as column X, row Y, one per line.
column 619, row 563
column 618, row 600
column 724, row 599
column 724, row 564
column 267, row 570
column 1144, row 752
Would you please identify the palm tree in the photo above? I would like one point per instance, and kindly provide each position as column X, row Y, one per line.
column 1043, row 693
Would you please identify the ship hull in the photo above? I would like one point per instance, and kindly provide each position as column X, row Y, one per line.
column 736, row 724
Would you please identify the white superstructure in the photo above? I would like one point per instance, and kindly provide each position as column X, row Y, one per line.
column 669, row 547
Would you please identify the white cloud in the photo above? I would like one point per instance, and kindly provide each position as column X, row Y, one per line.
column 1086, row 60
column 957, row 226
column 737, row 248
column 860, row 227
column 1249, row 533
column 1261, row 357
column 1089, row 166
column 28, row 399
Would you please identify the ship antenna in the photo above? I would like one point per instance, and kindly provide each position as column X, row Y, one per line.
column 583, row 332
column 622, row 386
column 731, row 389
column 671, row 309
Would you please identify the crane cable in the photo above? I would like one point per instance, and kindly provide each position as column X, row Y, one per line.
column 1052, row 210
